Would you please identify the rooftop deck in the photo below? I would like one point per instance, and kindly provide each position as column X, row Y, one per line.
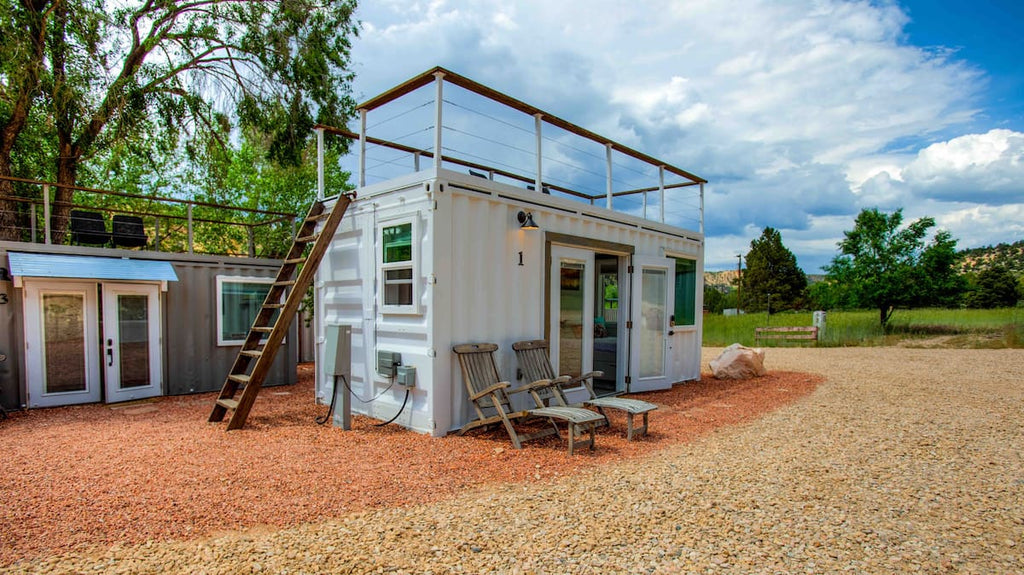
column 489, row 134
column 153, row 223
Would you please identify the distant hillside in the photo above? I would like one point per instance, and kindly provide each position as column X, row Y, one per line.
column 724, row 281
column 1010, row 256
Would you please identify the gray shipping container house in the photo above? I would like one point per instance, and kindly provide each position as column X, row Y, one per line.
column 85, row 324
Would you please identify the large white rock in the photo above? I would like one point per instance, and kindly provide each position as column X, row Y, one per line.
column 739, row 362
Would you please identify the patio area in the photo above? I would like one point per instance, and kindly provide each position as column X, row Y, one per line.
column 98, row 475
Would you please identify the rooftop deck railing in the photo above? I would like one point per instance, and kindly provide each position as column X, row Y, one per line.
column 170, row 224
column 446, row 120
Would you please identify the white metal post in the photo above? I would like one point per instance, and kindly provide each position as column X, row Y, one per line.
column 608, row 194
column 46, row 213
column 702, row 207
column 416, row 161
column 320, row 163
column 438, row 105
column 362, row 148
column 540, row 176
column 661, row 191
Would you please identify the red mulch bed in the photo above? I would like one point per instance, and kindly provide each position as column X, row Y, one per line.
column 75, row 477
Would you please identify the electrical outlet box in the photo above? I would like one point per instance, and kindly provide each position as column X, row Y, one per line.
column 338, row 350
column 406, row 375
column 387, row 361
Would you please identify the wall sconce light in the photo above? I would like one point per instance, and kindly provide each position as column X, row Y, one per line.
column 526, row 221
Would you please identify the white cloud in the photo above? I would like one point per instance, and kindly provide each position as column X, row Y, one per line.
column 798, row 113
column 980, row 167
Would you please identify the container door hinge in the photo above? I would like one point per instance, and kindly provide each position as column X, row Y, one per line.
column 431, row 352
column 629, row 269
column 629, row 379
column 629, row 325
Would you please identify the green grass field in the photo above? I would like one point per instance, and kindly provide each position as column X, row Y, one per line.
column 971, row 328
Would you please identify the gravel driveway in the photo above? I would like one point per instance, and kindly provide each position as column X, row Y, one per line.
column 904, row 460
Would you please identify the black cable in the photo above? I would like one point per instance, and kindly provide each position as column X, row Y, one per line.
column 330, row 411
column 400, row 410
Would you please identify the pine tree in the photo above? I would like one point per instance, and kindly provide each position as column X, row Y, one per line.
column 772, row 273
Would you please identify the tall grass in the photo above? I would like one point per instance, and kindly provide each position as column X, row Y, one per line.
column 968, row 327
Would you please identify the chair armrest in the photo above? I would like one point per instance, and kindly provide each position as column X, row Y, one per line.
column 576, row 380
column 540, row 383
column 489, row 390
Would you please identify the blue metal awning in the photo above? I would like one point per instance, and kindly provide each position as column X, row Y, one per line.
column 89, row 267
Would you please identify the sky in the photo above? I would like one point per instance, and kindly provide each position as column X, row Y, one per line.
column 798, row 113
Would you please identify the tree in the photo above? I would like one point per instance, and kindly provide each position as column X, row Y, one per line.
column 996, row 287
column 183, row 67
column 883, row 264
column 772, row 272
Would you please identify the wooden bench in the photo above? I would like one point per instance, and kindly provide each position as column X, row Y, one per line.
column 785, row 334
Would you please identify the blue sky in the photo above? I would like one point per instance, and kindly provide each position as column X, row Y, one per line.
column 799, row 113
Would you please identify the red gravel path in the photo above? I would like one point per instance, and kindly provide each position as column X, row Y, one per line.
column 76, row 477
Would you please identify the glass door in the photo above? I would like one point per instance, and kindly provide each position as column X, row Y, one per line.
column 131, row 341
column 62, row 343
column 572, row 310
column 651, row 298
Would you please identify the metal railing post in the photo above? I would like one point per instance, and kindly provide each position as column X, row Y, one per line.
column 320, row 164
column 661, row 191
column 156, row 235
column 32, row 221
column 46, row 213
column 608, row 197
column 190, row 228
column 438, row 106
column 252, row 241
column 540, row 176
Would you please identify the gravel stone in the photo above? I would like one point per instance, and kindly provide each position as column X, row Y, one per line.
column 903, row 460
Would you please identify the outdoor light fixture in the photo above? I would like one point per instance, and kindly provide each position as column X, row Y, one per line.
column 526, row 221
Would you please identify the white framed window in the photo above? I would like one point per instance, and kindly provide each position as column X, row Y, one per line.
column 239, row 300
column 399, row 265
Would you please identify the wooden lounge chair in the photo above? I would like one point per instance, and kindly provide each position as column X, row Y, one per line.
column 490, row 397
column 533, row 360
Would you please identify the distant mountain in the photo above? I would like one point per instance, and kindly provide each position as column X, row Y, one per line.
column 724, row 281
column 1010, row 256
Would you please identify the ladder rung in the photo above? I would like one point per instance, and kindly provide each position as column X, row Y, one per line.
column 263, row 329
column 251, row 352
column 228, row 403
column 294, row 261
column 273, row 305
column 318, row 217
column 239, row 377
column 307, row 239
column 284, row 283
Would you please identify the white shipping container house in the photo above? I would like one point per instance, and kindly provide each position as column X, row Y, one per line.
column 444, row 254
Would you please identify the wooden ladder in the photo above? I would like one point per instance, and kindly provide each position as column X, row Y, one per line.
column 265, row 336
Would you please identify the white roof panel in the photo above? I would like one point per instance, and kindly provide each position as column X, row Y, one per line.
column 89, row 267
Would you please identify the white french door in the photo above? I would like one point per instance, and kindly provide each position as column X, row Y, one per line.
column 572, row 310
column 61, row 343
column 67, row 356
column 131, row 341
column 652, row 297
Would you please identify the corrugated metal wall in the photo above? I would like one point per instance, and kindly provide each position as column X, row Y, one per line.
column 346, row 295
column 472, row 286
column 12, row 339
column 195, row 363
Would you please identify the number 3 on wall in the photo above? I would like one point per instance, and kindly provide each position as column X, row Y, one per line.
column 3, row 298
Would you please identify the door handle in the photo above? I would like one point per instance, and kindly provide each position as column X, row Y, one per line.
column 110, row 352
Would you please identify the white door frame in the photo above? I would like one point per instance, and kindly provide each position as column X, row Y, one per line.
column 641, row 323
column 35, row 336
column 560, row 254
column 112, row 341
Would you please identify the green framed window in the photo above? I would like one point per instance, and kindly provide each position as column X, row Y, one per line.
column 685, row 309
